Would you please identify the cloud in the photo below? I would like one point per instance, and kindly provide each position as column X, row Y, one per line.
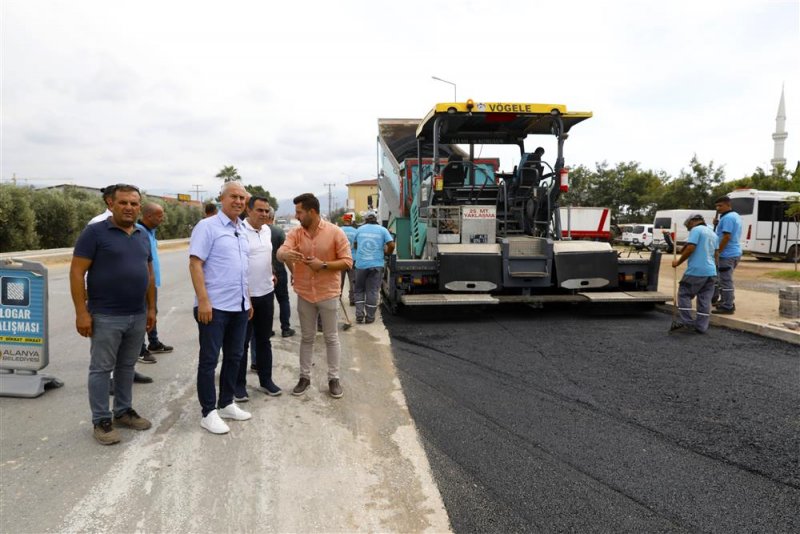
column 167, row 93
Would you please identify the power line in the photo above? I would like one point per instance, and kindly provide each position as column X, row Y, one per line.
column 330, row 197
column 197, row 191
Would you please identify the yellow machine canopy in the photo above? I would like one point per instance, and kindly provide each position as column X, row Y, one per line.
column 495, row 122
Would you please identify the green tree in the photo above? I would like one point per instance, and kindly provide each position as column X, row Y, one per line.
column 17, row 219
column 628, row 190
column 179, row 219
column 693, row 189
column 87, row 205
column 56, row 222
column 604, row 189
column 580, row 179
column 259, row 191
column 641, row 190
column 228, row 174
column 780, row 180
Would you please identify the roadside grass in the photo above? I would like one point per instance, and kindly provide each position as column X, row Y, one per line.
column 785, row 275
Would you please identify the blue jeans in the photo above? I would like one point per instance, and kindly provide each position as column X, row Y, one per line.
column 115, row 344
column 282, row 296
column 258, row 329
column 225, row 331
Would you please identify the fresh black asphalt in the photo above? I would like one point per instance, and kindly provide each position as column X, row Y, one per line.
column 555, row 420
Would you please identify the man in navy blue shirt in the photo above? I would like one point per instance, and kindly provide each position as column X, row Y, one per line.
column 120, row 308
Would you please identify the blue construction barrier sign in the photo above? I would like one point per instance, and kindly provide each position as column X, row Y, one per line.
column 23, row 329
column 22, row 320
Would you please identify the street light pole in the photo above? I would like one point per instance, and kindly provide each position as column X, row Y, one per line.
column 455, row 97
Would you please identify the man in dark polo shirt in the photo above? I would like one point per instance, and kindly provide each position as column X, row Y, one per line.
column 120, row 308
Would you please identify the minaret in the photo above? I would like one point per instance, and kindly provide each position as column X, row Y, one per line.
column 779, row 136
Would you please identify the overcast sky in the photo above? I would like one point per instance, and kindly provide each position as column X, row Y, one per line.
column 164, row 94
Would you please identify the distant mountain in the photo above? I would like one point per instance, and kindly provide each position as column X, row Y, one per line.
column 338, row 200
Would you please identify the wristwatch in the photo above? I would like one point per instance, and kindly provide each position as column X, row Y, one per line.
column 324, row 264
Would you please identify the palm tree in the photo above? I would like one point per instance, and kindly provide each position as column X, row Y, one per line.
column 228, row 174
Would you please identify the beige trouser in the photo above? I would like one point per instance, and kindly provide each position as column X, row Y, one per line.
column 328, row 312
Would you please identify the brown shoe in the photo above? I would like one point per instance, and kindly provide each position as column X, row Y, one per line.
column 301, row 387
column 131, row 419
column 335, row 388
column 105, row 433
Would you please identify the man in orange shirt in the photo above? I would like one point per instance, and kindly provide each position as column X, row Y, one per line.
column 317, row 252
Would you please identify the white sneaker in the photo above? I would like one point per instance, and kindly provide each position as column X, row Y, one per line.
column 214, row 424
column 232, row 411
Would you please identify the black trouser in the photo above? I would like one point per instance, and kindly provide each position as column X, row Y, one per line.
column 368, row 291
column 282, row 295
column 152, row 335
column 261, row 326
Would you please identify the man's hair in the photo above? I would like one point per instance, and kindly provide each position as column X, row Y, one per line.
column 308, row 201
column 230, row 185
column 210, row 208
column 253, row 199
column 724, row 199
column 108, row 191
column 150, row 207
column 124, row 188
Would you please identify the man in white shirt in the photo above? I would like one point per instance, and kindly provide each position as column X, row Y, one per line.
column 261, row 284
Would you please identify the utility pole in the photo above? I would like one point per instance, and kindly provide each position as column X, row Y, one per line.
column 330, row 198
column 197, row 191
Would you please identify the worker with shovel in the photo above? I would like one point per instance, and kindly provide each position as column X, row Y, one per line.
column 699, row 279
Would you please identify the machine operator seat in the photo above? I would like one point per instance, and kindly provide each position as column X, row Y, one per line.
column 529, row 174
column 453, row 176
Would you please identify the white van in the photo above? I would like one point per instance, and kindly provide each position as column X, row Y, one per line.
column 642, row 236
column 626, row 233
column 767, row 232
column 666, row 218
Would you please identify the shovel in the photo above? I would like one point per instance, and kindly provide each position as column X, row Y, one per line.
column 347, row 323
column 675, row 323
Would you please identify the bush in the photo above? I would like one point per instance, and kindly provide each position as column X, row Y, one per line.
column 32, row 219
column 56, row 221
column 179, row 219
column 17, row 219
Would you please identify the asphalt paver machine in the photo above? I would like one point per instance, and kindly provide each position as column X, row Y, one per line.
column 470, row 234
